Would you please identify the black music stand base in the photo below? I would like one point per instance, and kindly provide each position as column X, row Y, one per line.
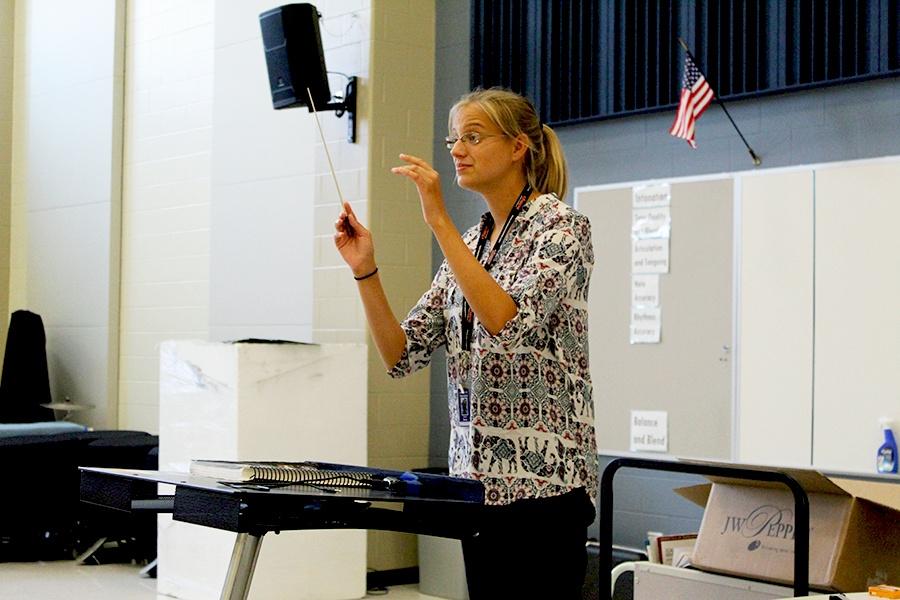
column 241, row 567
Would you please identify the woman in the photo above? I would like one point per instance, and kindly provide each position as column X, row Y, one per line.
column 509, row 303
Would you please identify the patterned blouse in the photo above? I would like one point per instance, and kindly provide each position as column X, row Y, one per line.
column 530, row 433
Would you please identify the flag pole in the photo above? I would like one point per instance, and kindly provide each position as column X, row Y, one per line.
column 756, row 159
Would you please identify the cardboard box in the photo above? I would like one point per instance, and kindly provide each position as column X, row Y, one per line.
column 748, row 530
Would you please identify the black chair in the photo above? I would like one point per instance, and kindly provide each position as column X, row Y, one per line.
column 25, row 383
column 41, row 514
column 105, row 536
column 38, row 509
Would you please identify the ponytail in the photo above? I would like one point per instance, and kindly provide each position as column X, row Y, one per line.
column 551, row 174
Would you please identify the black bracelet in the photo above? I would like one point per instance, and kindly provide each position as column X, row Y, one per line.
column 366, row 276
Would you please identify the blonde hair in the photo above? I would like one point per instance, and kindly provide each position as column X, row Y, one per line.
column 545, row 163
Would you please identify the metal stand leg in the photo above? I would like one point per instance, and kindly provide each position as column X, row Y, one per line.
column 240, row 569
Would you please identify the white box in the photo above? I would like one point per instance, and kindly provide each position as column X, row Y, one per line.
column 653, row 582
column 262, row 401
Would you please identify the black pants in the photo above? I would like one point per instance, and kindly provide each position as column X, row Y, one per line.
column 530, row 549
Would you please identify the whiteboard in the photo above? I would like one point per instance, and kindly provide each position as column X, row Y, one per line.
column 689, row 373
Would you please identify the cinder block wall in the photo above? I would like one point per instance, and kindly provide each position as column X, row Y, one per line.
column 402, row 106
column 166, row 193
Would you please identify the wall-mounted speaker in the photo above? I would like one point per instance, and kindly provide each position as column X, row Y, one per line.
column 294, row 57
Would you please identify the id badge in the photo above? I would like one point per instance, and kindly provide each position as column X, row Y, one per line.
column 464, row 404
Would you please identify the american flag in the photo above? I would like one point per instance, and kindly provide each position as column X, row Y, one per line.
column 695, row 97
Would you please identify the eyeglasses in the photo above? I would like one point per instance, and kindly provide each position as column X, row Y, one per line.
column 472, row 138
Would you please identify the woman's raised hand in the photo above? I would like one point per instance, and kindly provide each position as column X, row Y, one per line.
column 354, row 242
column 428, row 183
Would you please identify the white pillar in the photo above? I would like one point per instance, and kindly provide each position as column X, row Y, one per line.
column 266, row 401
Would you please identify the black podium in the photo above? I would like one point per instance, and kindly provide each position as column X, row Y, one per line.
column 429, row 504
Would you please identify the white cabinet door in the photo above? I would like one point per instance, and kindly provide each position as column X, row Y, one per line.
column 857, row 340
column 775, row 318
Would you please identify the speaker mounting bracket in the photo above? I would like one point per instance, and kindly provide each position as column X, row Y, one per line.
column 347, row 105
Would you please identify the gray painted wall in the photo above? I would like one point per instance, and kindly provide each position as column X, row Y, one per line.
column 825, row 125
column 450, row 82
column 644, row 501
column 849, row 122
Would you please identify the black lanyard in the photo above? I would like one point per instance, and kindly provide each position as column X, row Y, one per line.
column 487, row 228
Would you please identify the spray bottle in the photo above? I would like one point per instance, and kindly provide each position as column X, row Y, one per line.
column 886, row 461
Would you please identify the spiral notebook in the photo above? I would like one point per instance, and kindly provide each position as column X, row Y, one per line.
column 283, row 472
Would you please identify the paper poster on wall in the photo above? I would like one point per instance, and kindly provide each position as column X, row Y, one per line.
column 648, row 196
column 647, row 223
column 644, row 290
column 649, row 431
column 649, row 256
column 646, row 325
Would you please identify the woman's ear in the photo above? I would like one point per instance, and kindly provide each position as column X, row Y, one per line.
column 520, row 146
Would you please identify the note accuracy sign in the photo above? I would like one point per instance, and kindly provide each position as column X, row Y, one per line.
column 649, row 431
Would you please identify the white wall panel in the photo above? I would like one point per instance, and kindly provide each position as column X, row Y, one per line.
column 67, row 177
column 68, row 43
column 262, row 185
column 69, row 265
column 262, row 256
column 80, row 370
column 69, row 154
